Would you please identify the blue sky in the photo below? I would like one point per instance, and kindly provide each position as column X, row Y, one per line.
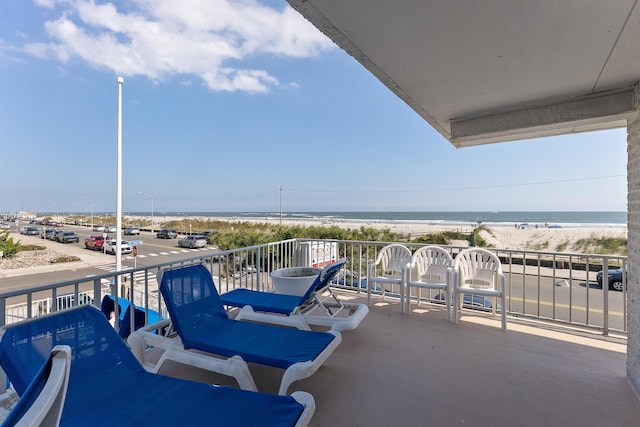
column 223, row 102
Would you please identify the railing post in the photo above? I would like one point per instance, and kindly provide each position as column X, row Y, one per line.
column 97, row 293
column 3, row 311
column 3, row 322
column 605, row 296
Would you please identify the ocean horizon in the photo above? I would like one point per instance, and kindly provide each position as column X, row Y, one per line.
column 507, row 218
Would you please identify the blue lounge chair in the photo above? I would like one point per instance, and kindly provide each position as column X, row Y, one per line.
column 334, row 313
column 201, row 323
column 107, row 306
column 41, row 403
column 108, row 387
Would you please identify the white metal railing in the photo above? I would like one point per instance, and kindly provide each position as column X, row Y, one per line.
column 549, row 286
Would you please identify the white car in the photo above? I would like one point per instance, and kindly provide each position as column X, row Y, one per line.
column 111, row 245
column 130, row 231
column 110, row 229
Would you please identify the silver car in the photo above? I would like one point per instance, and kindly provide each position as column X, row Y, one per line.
column 130, row 231
column 193, row 241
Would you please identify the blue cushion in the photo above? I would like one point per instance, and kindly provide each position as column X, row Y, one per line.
column 107, row 385
column 262, row 301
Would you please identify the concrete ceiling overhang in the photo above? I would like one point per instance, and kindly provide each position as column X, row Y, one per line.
column 495, row 70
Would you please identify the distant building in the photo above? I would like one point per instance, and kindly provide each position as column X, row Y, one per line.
column 25, row 215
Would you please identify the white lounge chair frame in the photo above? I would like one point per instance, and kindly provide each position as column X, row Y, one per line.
column 431, row 268
column 479, row 272
column 235, row 366
column 46, row 410
column 392, row 261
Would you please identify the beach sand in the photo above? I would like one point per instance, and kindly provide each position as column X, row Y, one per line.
column 499, row 237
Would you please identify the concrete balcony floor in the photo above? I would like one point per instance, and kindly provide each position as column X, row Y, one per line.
column 401, row 370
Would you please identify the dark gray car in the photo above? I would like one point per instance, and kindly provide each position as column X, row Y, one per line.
column 166, row 234
column 68, row 237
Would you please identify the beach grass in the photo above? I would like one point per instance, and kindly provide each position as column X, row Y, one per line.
column 601, row 245
column 232, row 233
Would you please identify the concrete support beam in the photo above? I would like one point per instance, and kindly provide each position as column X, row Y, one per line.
column 593, row 112
column 633, row 250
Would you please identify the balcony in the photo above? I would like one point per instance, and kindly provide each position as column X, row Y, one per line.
column 420, row 369
column 558, row 364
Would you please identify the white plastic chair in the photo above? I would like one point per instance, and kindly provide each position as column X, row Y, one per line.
column 430, row 269
column 390, row 267
column 479, row 272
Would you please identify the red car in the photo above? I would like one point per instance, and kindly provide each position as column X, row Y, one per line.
column 94, row 242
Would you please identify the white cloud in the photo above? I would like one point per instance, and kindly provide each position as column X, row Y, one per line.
column 49, row 4
column 211, row 39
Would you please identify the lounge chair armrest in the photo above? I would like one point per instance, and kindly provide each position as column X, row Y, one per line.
column 144, row 338
column 306, row 400
column 302, row 370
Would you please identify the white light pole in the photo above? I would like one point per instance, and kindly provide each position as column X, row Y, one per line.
column 281, row 205
column 119, row 188
column 151, row 196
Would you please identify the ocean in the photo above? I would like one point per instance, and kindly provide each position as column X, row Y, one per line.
column 565, row 219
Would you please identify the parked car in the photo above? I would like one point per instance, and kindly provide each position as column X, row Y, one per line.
column 477, row 302
column 110, row 247
column 68, row 237
column 5, row 225
column 29, row 231
column 130, row 231
column 94, row 242
column 110, row 228
column 166, row 234
column 193, row 241
column 54, row 236
column 617, row 278
column 98, row 228
column 45, row 232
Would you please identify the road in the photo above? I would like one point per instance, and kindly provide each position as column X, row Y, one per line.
column 151, row 251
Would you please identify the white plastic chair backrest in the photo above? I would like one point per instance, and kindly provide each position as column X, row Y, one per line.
column 392, row 259
column 431, row 264
column 477, row 268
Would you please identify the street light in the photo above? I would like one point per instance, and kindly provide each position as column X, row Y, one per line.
column 119, row 185
column 150, row 196
column 280, row 205
column 90, row 201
